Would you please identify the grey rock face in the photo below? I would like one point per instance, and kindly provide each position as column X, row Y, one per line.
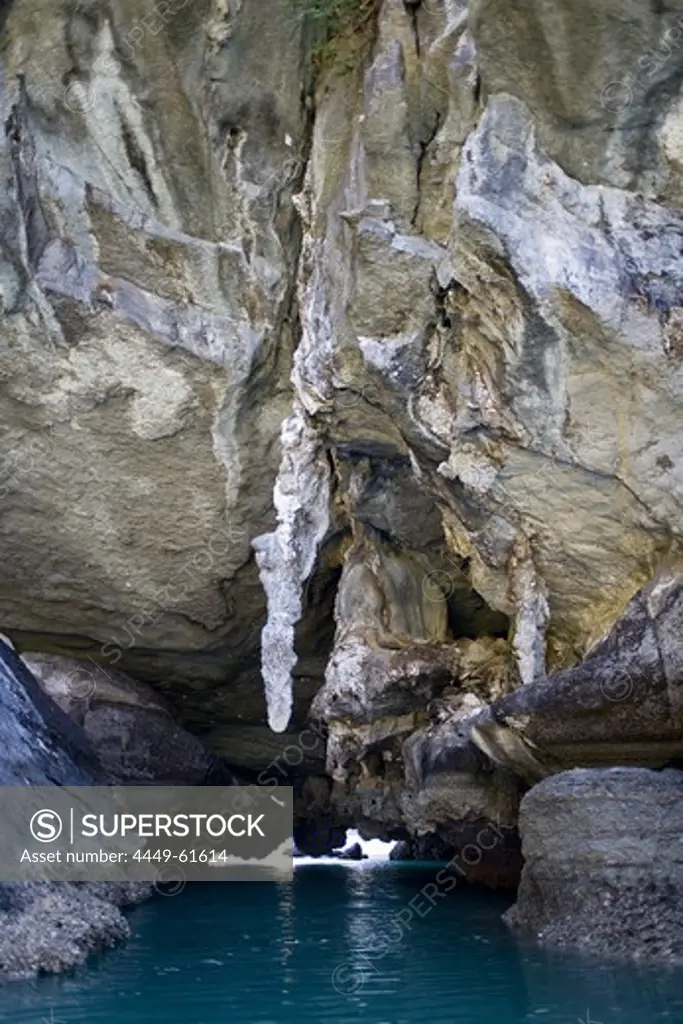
column 603, row 867
column 622, row 705
column 47, row 927
column 449, row 263
column 39, row 745
column 129, row 726
column 59, row 926
column 384, row 693
column 597, row 79
column 449, row 781
column 148, row 265
column 520, row 392
column 397, row 704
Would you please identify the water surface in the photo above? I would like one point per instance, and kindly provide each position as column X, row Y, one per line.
column 318, row 952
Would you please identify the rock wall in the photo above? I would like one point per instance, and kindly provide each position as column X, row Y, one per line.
column 604, row 863
column 623, row 704
column 477, row 309
column 132, row 731
column 489, row 305
column 341, row 373
column 50, row 926
column 469, row 272
column 149, row 259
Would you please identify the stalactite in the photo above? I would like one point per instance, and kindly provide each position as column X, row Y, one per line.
column 287, row 556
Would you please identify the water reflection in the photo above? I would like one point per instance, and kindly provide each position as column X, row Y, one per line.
column 337, row 947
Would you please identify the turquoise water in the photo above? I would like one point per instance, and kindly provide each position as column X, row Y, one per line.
column 269, row 954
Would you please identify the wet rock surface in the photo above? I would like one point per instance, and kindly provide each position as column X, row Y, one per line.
column 603, row 869
column 49, row 927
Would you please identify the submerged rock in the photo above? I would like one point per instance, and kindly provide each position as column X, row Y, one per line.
column 603, row 863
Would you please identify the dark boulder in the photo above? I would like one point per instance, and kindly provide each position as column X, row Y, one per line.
column 603, row 868
column 128, row 724
column 353, row 852
column 622, row 705
column 318, row 836
column 39, row 744
column 50, row 926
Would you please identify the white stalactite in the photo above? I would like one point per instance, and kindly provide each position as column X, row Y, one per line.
column 287, row 557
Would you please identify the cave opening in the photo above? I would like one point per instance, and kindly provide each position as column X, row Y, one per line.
column 469, row 614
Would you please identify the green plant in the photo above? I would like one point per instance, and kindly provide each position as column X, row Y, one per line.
column 334, row 20
column 328, row 11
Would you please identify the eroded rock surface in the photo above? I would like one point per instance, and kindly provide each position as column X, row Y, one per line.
column 351, row 374
column 148, row 270
column 603, row 867
column 622, row 705
column 388, row 684
column 50, row 927
column 129, row 726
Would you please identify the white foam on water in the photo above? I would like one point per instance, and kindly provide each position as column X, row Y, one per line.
column 374, row 850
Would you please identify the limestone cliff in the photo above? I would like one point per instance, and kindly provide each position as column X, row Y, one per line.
column 341, row 367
